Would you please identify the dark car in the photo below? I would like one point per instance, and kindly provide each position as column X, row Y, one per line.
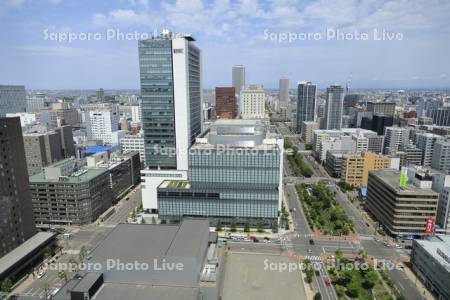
column 311, row 242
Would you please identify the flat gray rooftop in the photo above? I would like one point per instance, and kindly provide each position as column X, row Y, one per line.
column 114, row 291
column 438, row 244
column 15, row 256
column 391, row 178
column 154, row 244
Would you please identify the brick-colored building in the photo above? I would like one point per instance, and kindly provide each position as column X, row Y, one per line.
column 226, row 107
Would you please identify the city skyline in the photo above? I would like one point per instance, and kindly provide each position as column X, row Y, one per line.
column 230, row 33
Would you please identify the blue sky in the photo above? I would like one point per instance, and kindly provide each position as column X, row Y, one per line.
column 230, row 32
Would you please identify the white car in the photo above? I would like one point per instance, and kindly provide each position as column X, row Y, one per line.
column 40, row 274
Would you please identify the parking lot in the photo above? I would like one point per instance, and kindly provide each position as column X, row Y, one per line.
column 246, row 277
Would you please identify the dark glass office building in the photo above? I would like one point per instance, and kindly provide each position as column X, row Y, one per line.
column 171, row 98
column 306, row 104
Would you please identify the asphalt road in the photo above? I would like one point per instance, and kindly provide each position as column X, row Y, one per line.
column 125, row 207
column 299, row 243
column 367, row 238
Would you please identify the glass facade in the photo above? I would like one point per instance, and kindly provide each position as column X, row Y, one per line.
column 194, row 92
column 306, row 103
column 230, row 184
column 158, row 112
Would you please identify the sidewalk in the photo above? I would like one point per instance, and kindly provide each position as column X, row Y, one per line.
column 419, row 285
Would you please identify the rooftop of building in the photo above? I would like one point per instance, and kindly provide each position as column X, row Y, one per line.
column 391, row 178
column 95, row 149
column 12, row 258
column 169, row 35
column 138, row 244
column 345, row 131
column 87, row 175
column 251, row 88
column 438, row 247
column 238, row 133
column 183, row 243
column 79, row 176
column 125, row 291
column 175, row 184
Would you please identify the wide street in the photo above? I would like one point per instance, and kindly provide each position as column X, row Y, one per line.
column 367, row 239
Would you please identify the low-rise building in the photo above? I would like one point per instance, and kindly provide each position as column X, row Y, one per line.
column 147, row 250
column 124, row 170
column 354, row 140
column 65, row 194
column 133, row 142
column 430, row 260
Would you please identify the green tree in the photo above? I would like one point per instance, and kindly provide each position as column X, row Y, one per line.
column 260, row 226
column 317, row 296
column 345, row 277
column 63, row 276
column 274, row 226
column 370, row 279
column 6, row 286
column 247, row 226
column 219, row 225
column 233, row 226
column 340, row 290
column 45, row 288
column 73, row 263
column 353, row 288
column 83, row 253
column 339, row 255
column 153, row 220
column 47, row 253
column 309, row 274
column 363, row 253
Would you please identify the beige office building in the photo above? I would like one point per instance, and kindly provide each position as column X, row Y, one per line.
column 401, row 211
column 355, row 167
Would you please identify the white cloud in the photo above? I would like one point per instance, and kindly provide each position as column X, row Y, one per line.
column 6, row 5
column 123, row 17
column 63, row 51
column 143, row 3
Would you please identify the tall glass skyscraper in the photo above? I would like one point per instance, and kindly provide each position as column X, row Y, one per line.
column 171, row 98
column 306, row 103
column 283, row 92
column 333, row 107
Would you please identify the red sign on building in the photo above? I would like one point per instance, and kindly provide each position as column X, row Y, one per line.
column 429, row 228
